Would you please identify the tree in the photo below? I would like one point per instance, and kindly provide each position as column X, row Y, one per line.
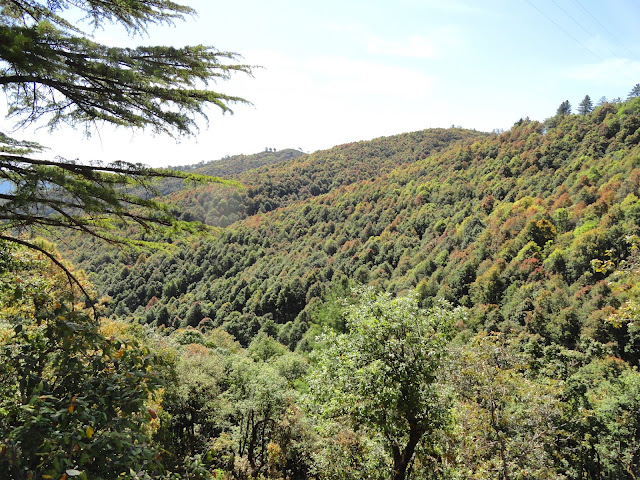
column 635, row 92
column 52, row 71
column 507, row 421
column 586, row 105
column 194, row 315
column 259, row 396
column 73, row 401
column 564, row 108
column 383, row 374
column 47, row 197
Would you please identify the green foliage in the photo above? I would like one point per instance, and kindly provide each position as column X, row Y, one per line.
column 564, row 108
column 535, row 230
column 586, row 105
column 617, row 402
column 229, row 413
column 459, row 233
column 52, row 71
column 599, row 420
column 383, row 373
column 95, row 200
column 507, row 421
column 73, row 402
column 46, row 58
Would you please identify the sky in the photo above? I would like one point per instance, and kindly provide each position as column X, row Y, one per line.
column 333, row 72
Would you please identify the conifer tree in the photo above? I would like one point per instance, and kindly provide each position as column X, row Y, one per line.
column 635, row 92
column 52, row 71
column 586, row 105
column 564, row 108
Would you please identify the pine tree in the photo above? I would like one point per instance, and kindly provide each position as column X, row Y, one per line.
column 564, row 108
column 586, row 105
column 52, row 71
column 635, row 92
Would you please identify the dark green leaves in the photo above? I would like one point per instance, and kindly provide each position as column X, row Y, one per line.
column 55, row 75
column 73, row 400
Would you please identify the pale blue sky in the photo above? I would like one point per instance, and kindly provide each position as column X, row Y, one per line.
column 341, row 71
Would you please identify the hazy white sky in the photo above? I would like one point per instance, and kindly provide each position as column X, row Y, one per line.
column 348, row 70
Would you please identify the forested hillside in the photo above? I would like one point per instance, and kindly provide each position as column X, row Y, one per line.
column 438, row 304
column 228, row 167
column 277, row 183
column 533, row 229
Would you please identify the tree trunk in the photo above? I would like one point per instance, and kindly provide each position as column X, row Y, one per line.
column 402, row 459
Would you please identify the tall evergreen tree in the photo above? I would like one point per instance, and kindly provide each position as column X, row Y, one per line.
column 586, row 105
column 50, row 70
column 564, row 108
column 635, row 92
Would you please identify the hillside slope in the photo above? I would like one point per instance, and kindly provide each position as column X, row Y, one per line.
column 536, row 230
column 278, row 184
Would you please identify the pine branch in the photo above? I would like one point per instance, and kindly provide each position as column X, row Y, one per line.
column 144, row 86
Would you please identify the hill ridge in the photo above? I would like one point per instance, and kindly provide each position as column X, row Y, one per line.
column 497, row 223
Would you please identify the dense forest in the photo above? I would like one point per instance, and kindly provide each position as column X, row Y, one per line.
column 437, row 304
column 534, row 230
column 442, row 304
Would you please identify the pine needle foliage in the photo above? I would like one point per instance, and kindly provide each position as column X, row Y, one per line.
column 51, row 70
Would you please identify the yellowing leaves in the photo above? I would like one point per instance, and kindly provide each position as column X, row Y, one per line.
column 89, row 431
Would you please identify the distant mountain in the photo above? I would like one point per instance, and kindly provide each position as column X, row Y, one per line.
column 228, row 167
column 281, row 183
column 237, row 164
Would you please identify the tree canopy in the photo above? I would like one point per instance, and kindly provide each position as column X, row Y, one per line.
column 52, row 71
column 383, row 373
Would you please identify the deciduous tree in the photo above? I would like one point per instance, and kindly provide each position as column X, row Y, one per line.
column 383, row 374
column 73, row 401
